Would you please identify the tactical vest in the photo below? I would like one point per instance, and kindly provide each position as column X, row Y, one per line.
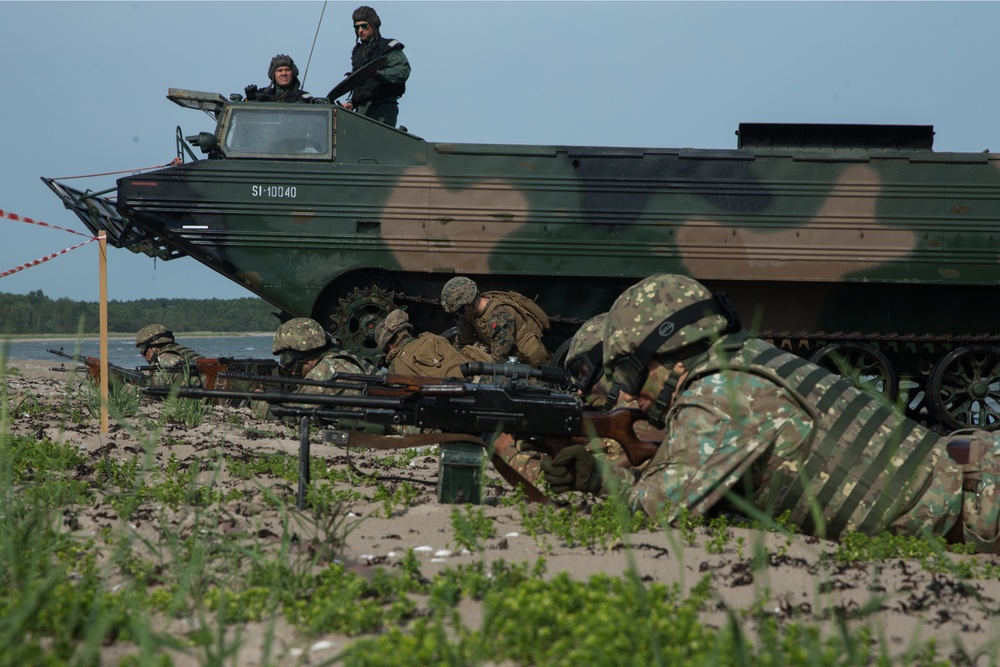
column 863, row 465
column 526, row 308
column 530, row 322
column 185, row 353
column 172, row 355
column 372, row 90
column 428, row 355
column 363, row 365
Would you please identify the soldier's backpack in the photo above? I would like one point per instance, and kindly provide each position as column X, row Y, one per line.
column 528, row 309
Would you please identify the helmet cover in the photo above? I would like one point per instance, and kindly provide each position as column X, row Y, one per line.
column 153, row 334
column 394, row 323
column 642, row 313
column 458, row 292
column 301, row 334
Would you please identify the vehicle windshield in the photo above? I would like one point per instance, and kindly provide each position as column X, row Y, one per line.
column 278, row 131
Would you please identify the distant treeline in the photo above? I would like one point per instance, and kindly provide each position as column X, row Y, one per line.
column 35, row 313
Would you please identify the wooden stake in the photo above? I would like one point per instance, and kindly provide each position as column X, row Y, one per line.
column 102, row 243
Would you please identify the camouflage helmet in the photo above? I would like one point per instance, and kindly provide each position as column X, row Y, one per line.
column 366, row 13
column 395, row 322
column 584, row 356
column 153, row 334
column 301, row 334
column 658, row 316
column 458, row 292
column 281, row 60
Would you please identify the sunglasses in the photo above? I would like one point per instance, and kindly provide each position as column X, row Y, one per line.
column 361, row 26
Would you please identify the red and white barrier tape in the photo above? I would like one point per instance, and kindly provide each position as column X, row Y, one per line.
column 47, row 257
column 31, row 221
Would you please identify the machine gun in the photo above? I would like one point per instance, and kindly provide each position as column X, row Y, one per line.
column 550, row 420
column 527, row 412
column 93, row 365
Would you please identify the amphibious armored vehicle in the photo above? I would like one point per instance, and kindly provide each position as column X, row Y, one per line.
column 855, row 245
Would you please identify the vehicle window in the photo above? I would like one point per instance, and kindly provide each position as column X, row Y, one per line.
column 279, row 131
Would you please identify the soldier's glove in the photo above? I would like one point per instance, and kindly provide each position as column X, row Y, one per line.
column 572, row 469
column 251, row 92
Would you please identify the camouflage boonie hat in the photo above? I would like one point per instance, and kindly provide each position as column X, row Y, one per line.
column 386, row 330
column 153, row 334
column 642, row 308
column 458, row 292
column 301, row 334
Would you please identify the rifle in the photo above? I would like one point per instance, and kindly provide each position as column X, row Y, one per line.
column 552, row 419
column 217, row 370
column 93, row 365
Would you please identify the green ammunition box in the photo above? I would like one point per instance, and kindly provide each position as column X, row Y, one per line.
column 460, row 478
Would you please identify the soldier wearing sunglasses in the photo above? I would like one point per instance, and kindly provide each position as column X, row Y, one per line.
column 378, row 96
column 754, row 429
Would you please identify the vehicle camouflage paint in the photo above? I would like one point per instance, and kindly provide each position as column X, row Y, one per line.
column 850, row 244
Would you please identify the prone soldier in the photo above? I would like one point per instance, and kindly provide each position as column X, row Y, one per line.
column 428, row 354
column 306, row 351
column 750, row 426
column 158, row 347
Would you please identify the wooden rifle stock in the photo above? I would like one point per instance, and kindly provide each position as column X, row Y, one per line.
column 619, row 425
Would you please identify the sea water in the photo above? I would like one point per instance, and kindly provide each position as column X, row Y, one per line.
column 122, row 351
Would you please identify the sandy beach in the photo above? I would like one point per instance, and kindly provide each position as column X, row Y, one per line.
column 799, row 579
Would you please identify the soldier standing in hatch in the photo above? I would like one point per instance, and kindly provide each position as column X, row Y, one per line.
column 285, row 85
column 507, row 323
column 750, row 426
column 378, row 97
column 157, row 346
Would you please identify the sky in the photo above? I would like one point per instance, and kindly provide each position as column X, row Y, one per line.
column 86, row 83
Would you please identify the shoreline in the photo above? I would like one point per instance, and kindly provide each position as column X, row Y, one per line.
column 36, row 338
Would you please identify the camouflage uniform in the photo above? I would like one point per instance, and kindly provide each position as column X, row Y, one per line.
column 174, row 362
column 300, row 341
column 594, row 389
column 745, row 418
column 504, row 330
column 171, row 359
column 329, row 365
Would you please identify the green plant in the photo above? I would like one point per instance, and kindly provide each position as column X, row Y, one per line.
column 471, row 526
column 395, row 496
column 188, row 411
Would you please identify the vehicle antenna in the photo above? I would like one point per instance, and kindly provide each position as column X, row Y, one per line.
column 304, row 75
